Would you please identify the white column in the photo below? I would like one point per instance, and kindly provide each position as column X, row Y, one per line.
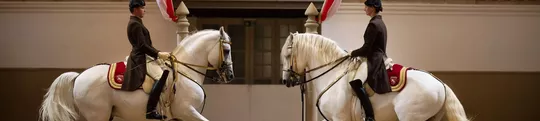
column 310, row 100
column 182, row 24
column 311, row 23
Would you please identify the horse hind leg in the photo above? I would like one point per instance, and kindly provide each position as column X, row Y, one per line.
column 415, row 105
column 95, row 110
column 95, row 104
column 92, row 94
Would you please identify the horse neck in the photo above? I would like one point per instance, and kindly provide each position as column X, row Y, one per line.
column 315, row 58
column 193, row 51
column 328, row 78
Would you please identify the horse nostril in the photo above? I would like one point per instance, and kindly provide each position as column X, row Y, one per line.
column 231, row 76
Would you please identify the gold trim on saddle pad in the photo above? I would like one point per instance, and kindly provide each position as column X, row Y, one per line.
column 402, row 80
column 395, row 88
column 111, row 76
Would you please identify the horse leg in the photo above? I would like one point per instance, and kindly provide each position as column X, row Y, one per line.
column 92, row 108
column 421, row 99
column 192, row 114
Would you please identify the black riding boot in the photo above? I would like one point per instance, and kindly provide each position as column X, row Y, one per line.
column 364, row 99
column 151, row 112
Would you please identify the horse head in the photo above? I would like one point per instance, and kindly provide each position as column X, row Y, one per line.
column 303, row 50
column 214, row 46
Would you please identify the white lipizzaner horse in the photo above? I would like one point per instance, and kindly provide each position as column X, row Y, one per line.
column 88, row 96
column 423, row 98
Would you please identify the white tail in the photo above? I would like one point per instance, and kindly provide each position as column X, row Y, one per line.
column 452, row 109
column 58, row 104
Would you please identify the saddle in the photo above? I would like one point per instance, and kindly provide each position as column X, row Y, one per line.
column 115, row 75
column 397, row 75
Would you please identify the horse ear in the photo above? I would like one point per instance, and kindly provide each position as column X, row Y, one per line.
column 221, row 31
column 291, row 35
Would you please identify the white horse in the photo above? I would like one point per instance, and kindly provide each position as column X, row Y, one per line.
column 423, row 98
column 88, row 96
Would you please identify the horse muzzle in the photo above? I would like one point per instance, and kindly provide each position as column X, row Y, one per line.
column 229, row 75
column 226, row 73
column 291, row 81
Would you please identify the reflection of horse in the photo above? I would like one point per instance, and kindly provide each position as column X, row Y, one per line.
column 74, row 96
column 423, row 98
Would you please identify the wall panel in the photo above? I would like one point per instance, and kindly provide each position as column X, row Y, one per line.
column 486, row 96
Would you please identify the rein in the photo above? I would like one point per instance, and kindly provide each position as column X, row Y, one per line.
column 341, row 60
column 173, row 60
column 220, row 63
column 331, row 85
column 303, row 82
column 191, row 68
column 293, row 60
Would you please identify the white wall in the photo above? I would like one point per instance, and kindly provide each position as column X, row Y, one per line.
column 449, row 37
column 73, row 34
column 427, row 36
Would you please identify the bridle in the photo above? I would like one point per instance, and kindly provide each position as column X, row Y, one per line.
column 222, row 64
column 294, row 76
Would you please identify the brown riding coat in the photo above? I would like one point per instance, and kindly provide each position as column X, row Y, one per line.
column 374, row 49
column 139, row 38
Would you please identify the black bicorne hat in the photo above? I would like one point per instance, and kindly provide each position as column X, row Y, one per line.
column 373, row 3
column 136, row 3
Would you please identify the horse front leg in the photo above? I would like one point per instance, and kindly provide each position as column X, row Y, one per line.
column 191, row 114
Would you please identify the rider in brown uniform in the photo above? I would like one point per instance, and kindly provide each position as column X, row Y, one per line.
column 139, row 38
column 374, row 49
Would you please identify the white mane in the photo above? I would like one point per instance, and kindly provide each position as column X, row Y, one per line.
column 195, row 39
column 316, row 46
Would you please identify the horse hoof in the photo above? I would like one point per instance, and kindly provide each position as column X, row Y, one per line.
column 175, row 119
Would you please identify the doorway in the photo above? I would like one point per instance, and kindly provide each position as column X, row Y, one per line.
column 256, row 45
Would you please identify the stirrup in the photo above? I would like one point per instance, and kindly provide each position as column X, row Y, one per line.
column 369, row 119
column 154, row 115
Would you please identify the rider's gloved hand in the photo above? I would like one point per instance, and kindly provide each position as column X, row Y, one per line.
column 349, row 52
column 164, row 55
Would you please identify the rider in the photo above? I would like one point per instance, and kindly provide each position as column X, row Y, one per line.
column 139, row 38
column 374, row 49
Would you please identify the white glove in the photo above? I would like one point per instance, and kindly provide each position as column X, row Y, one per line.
column 164, row 55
